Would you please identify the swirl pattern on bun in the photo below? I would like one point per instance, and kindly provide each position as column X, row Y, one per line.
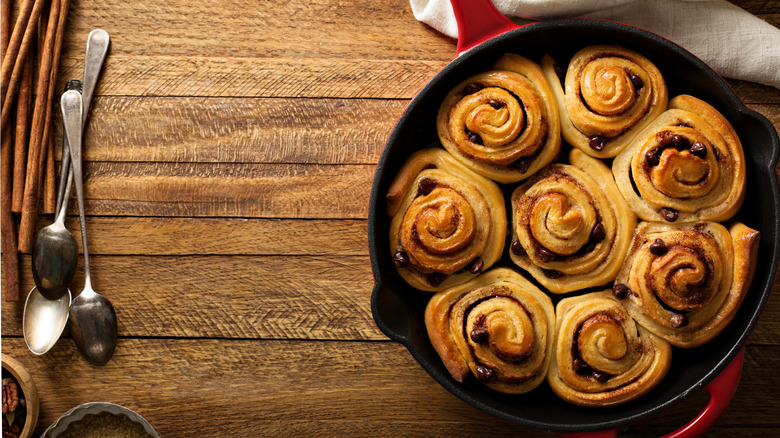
column 571, row 228
column 688, row 165
column 611, row 93
column 601, row 356
column 685, row 282
column 448, row 223
column 498, row 327
column 502, row 123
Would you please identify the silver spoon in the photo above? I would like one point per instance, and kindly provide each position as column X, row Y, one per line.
column 55, row 253
column 92, row 316
column 43, row 319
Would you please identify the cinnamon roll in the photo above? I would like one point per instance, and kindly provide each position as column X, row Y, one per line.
column 611, row 93
column 684, row 282
column 498, row 327
column 687, row 165
column 571, row 228
column 601, row 357
column 502, row 123
column 448, row 223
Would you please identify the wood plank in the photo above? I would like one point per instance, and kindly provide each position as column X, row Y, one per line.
column 258, row 30
column 227, row 190
column 156, row 236
column 239, row 130
column 318, row 297
column 253, row 77
column 268, row 387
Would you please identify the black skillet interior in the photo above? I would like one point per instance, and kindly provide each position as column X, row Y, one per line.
column 398, row 309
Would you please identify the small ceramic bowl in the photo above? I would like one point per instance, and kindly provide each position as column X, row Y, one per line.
column 93, row 408
column 15, row 369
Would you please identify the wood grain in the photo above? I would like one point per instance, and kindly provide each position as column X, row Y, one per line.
column 229, row 156
column 239, row 130
column 228, row 190
column 289, row 386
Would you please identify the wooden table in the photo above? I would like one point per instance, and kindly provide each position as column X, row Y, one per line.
column 230, row 156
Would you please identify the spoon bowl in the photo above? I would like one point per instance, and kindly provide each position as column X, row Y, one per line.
column 93, row 325
column 93, row 318
column 43, row 326
column 54, row 259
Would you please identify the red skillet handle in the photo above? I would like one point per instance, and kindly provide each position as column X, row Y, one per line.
column 721, row 390
column 478, row 21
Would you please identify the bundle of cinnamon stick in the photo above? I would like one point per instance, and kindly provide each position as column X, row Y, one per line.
column 30, row 58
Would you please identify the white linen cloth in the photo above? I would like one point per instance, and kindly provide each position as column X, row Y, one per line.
column 735, row 43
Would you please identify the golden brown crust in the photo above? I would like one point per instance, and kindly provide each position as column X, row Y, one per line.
column 498, row 327
column 601, row 357
column 502, row 123
column 448, row 225
column 611, row 93
column 687, row 281
column 570, row 227
column 689, row 161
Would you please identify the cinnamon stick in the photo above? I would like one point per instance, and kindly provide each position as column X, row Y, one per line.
column 49, row 179
column 41, row 123
column 5, row 27
column 23, row 109
column 10, row 263
column 18, row 47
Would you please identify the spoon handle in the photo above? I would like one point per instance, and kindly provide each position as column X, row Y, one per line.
column 71, row 103
column 97, row 48
column 66, row 174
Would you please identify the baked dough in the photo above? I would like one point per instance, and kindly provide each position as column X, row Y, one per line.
column 601, row 357
column 611, row 93
column 688, row 165
column 685, row 282
column 571, row 228
column 498, row 327
column 502, row 123
column 448, row 223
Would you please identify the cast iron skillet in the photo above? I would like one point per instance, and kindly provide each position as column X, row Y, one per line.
column 398, row 309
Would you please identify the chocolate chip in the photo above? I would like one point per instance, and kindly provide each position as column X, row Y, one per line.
column 435, row 278
column 517, row 248
column 496, row 104
column 560, row 71
column 522, row 164
column 552, row 273
column 598, row 234
column 479, row 334
column 581, row 367
column 425, row 186
column 601, row 377
column 658, row 247
column 484, row 373
column 678, row 320
column 474, row 138
column 476, row 266
column 400, row 258
column 680, row 142
column 545, row 254
column 620, row 291
column 637, row 81
column 669, row 214
column 698, row 149
column 473, row 88
column 652, row 157
column 597, row 143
